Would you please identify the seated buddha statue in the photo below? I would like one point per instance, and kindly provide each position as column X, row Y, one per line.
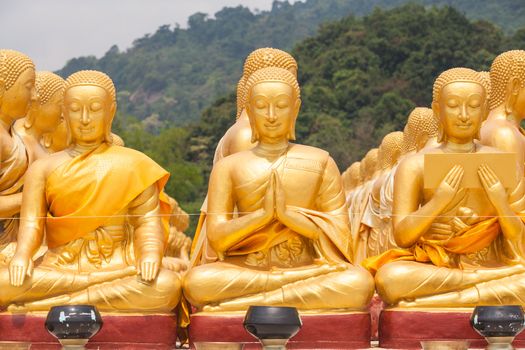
column 380, row 238
column 17, row 89
column 289, row 243
column 43, row 116
column 239, row 136
column 459, row 246
column 100, row 209
column 507, row 107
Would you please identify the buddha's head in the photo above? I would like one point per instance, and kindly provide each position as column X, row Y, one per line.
column 369, row 164
column 507, row 77
column 273, row 102
column 390, row 150
column 353, row 176
column 460, row 103
column 421, row 126
column 262, row 58
column 89, row 107
column 17, row 85
column 46, row 111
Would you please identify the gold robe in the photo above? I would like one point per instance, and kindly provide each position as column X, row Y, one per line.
column 12, row 172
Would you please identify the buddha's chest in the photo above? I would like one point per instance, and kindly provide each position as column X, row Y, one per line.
column 298, row 179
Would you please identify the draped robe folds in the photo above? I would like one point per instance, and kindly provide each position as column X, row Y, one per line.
column 477, row 264
column 358, row 229
column 252, row 267
column 84, row 193
column 91, row 240
column 12, row 172
column 335, row 241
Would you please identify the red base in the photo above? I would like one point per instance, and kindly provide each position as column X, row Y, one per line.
column 129, row 332
column 325, row 331
column 405, row 329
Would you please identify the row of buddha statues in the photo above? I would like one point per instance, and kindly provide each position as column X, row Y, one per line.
column 434, row 217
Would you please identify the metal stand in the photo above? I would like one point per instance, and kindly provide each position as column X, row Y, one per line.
column 274, row 344
column 73, row 344
column 500, row 343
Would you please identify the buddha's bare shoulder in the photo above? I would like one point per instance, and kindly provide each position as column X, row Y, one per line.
column 47, row 164
column 308, row 152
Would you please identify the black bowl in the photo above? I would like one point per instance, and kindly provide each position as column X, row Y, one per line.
column 271, row 322
column 498, row 321
column 73, row 321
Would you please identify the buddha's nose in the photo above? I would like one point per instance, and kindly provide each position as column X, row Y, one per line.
column 84, row 119
column 272, row 117
column 464, row 114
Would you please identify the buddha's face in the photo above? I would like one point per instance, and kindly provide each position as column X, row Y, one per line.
column 461, row 108
column 47, row 115
column 87, row 109
column 15, row 101
column 273, row 109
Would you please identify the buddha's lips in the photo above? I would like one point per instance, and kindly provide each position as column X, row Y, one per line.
column 86, row 130
column 464, row 126
column 272, row 126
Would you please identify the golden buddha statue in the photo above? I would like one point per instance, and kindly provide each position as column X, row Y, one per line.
column 380, row 237
column 289, row 244
column 43, row 116
column 461, row 246
column 100, row 208
column 421, row 131
column 179, row 244
column 17, row 89
column 352, row 178
column 358, row 207
column 239, row 136
column 507, row 105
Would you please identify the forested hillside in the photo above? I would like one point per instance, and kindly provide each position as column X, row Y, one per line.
column 360, row 77
column 174, row 74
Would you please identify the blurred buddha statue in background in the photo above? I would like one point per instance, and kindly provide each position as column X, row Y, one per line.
column 502, row 128
column 358, row 206
column 100, row 208
column 17, row 90
column 352, row 179
column 380, row 237
column 44, row 115
column 461, row 245
column 289, row 244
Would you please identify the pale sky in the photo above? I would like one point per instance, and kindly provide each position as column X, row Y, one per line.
column 54, row 31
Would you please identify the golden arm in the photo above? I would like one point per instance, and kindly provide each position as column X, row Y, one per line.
column 222, row 229
column 144, row 213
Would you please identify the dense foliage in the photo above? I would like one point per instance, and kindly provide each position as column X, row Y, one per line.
column 174, row 74
column 360, row 77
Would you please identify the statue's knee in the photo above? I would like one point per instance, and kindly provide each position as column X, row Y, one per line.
column 170, row 283
column 192, row 287
column 361, row 283
column 388, row 277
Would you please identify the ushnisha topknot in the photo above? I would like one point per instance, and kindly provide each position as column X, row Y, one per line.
column 261, row 58
column 390, row 149
column 47, row 84
column 273, row 74
column 421, row 120
column 92, row 77
column 12, row 65
column 455, row 75
column 506, row 66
